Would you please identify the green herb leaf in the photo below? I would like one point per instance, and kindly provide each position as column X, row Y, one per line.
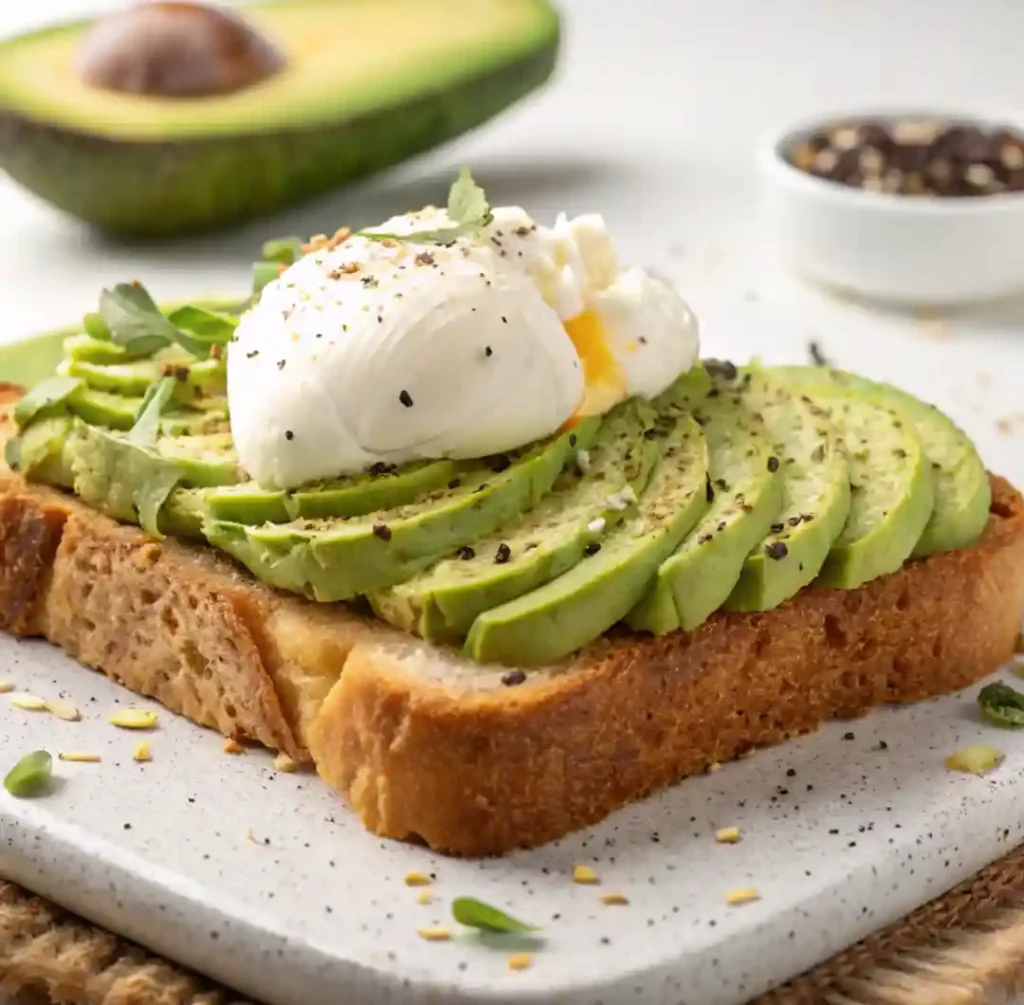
column 30, row 776
column 151, row 495
column 209, row 327
column 1002, row 705
column 263, row 274
column 467, row 207
column 45, row 395
column 147, row 419
column 283, row 250
column 467, row 202
column 134, row 319
column 475, row 913
column 136, row 323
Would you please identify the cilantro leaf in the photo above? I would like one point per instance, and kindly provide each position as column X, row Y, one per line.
column 147, row 419
column 467, row 202
column 45, row 395
column 135, row 322
column 282, row 250
column 1002, row 705
column 468, row 208
column 475, row 913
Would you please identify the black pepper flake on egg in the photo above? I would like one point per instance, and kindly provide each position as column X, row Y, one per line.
column 488, row 351
column 281, row 364
column 424, row 258
column 592, row 548
column 405, row 398
column 773, row 464
column 503, row 554
column 369, row 281
column 253, row 354
column 513, row 677
column 776, row 550
column 465, row 553
column 382, row 530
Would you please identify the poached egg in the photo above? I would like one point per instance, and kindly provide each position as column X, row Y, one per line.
column 376, row 351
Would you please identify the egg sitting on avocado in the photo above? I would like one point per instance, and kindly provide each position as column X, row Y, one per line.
column 174, row 117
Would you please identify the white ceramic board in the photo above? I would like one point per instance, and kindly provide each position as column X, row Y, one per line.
column 652, row 122
column 265, row 880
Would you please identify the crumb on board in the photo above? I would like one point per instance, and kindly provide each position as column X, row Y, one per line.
column 614, row 899
column 424, row 898
column 232, row 746
column 27, row 702
column 78, row 757
column 415, row 878
column 133, row 718
column 584, row 874
column 727, row 835
column 142, row 752
column 434, row 934
column 284, row 763
column 63, row 710
column 519, row 961
column 745, row 895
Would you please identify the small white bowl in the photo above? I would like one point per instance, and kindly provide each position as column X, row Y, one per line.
column 907, row 250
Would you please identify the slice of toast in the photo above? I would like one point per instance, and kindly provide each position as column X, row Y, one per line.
column 476, row 760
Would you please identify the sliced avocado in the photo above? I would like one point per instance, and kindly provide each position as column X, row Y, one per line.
column 340, row 559
column 84, row 348
column 183, row 513
column 746, row 489
column 442, row 602
column 891, row 482
column 41, row 454
column 356, row 496
column 116, row 411
column 572, row 610
column 815, row 496
column 963, row 493
column 196, row 377
column 364, row 86
column 205, row 459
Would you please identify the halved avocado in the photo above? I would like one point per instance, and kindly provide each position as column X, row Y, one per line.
column 364, row 85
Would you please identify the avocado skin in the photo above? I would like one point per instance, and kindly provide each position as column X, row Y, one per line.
column 963, row 493
column 157, row 189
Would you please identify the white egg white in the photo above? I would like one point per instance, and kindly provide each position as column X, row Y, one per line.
column 397, row 350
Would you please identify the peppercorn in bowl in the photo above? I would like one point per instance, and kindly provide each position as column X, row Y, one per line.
column 917, row 208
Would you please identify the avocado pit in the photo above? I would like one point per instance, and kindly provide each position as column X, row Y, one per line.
column 175, row 49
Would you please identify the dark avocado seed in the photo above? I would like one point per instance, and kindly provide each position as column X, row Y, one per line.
column 175, row 50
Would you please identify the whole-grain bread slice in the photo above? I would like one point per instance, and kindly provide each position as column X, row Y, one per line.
column 479, row 760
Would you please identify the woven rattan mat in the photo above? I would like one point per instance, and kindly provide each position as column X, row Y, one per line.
column 954, row 951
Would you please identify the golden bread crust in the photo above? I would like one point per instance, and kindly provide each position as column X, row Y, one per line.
column 423, row 744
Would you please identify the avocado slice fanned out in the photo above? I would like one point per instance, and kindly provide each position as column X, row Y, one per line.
column 815, row 496
column 746, row 489
column 355, row 496
column 341, row 559
column 891, row 484
column 365, row 86
column 442, row 602
column 574, row 609
column 195, row 378
column 963, row 493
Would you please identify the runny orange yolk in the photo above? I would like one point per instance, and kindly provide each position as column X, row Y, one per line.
column 603, row 382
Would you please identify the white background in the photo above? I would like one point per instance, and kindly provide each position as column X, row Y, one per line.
column 652, row 121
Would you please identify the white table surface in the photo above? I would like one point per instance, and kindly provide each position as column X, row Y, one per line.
column 652, row 122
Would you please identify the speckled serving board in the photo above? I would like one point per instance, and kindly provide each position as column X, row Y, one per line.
column 265, row 881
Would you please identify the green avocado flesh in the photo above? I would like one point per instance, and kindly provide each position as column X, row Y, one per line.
column 815, row 496
column 732, row 490
column 566, row 613
column 366, row 85
column 745, row 490
column 962, row 490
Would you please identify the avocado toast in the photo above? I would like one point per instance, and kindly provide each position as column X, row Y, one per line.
column 486, row 651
